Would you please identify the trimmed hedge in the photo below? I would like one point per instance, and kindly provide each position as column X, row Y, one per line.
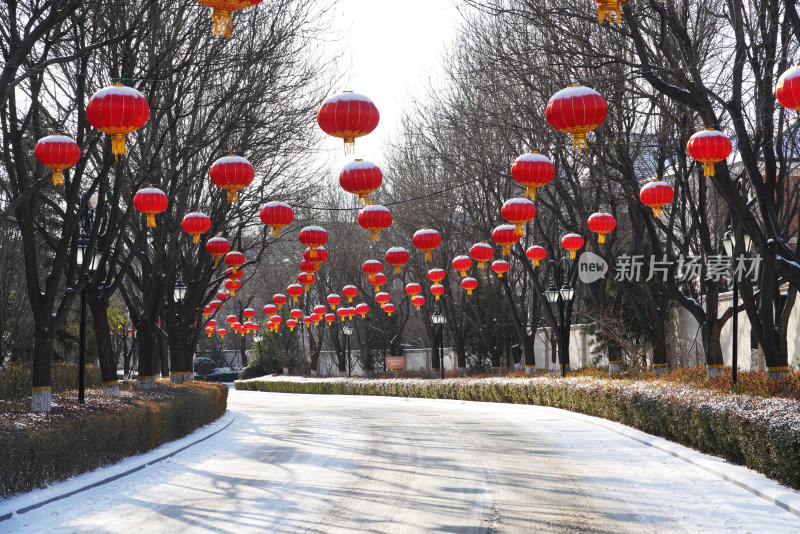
column 15, row 380
column 761, row 433
column 39, row 449
column 218, row 377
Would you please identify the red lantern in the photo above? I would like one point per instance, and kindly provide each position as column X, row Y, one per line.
column 313, row 237
column 418, row 301
column 232, row 286
column 371, row 268
column 295, row 313
column 576, row 110
column 347, row 116
column 461, row 264
column 532, row 170
column 426, row 240
column 217, row 247
column 709, row 147
column 214, row 304
column 223, row 294
column 536, row 253
column 57, row 152
column 195, row 224
column 279, row 299
column 343, row 313
column 601, row 223
column 413, row 288
column 276, row 215
column 389, row 309
column 436, row 275
column 276, row 319
column 210, row 330
column 378, row 280
column 470, row 284
column 207, row 311
column 656, row 194
column 787, row 90
column 307, row 320
column 481, row 252
column 270, row 310
column 362, row 309
column 572, row 242
column 437, row 290
column 500, row 267
column 374, row 218
column 232, row 173
column 505, row 235
column 150, row 201
column 518, row 211
column 212, row 323
column 306, row 279
column 334, row 300
column 222, row 333
column 361, row 178
column 230, row 319
column 609, row 10
column 249, row 313
column 349, row 292
column 117, row 111
column 221, row 13
column 235, row 259
column 330, row 317
column 321, row 255
column 291, row 323
column 320, row 310
column 294, row 291
column 397, row 257
column 382, row 298
column 309, row 267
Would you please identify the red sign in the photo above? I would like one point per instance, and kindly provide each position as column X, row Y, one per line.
column 395, row 362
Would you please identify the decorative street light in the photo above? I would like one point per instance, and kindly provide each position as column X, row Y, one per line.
column 729, row 243
column 558, row 272
column 94, row 256
column 439, row 319
column 180, row 291
column 347, row 329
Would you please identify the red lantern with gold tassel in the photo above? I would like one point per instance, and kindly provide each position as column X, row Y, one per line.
column 389, row 308
column 374, row 218
column 348, row 116
column 426, row 240
column 470, row 284
column 601, row 223
column 532, row 170
column 500, row 267
column 279, row 299
column 362, row 309
column 787, row 90
column 150, row 201
column 518, row 211
column 333, row 300
column 437, row 291
column 218, row 247
column 306, row 279
column 360, row 177
column 572, row 243
column 436, row 275
column 397, row 257
column 349, row 291
column 506, row 236
column 276, row 215
column 232, row 286
column 196, row 224
column 481, row 252
column 656, row 194
column 461, row 264
column 709, row 147
column 576, row 110
column 57, row 152
column 320, row 255
column 235, row 260
column 378, row 280
column 117, row 111
column 382, row 298
column 536, row 253
column 270, row 310
column 309, row 267
column 371, row 268
column 413, row 288
column 294, row 291
column 418, row 301
column 232, row 173
column 221, row 13
column 313, row 237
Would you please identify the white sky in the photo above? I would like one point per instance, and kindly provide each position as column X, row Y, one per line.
column 391, row 49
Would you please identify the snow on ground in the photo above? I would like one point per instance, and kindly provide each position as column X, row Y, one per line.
column 306, row 463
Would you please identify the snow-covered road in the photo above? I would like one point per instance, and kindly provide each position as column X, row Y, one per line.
column 305, row 463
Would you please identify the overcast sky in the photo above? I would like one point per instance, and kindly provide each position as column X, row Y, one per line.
column 391, row 49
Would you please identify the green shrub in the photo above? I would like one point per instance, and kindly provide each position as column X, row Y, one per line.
column 15, row 380
column 40, row 449
column 251, row 371
column 761, row 433
column 218, row 377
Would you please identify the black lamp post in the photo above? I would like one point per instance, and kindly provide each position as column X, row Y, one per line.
column 559, row 271
column 439, row 319
column 347, row 329
column 83, row 254
column 729, row 242
column 258, row 337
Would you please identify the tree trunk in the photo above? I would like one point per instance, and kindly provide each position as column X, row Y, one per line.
column 105, row 350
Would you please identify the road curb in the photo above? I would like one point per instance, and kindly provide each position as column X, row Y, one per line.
column 167, row 452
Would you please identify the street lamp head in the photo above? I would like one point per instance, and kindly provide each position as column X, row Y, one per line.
column 258, row 337
column 551, row 294
column 180, row 291
column 567, row 292
column 93, row 201
column 748, row 241
column 438, row 318
column 729, row 242
column 347, row 329
column 83, row 244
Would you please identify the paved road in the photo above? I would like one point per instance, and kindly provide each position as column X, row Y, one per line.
column 304, row 463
